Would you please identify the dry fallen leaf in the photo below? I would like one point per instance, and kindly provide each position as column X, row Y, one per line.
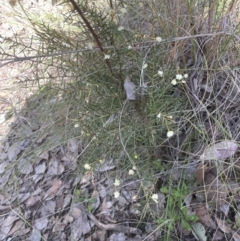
column 2, row 166
column 24, row 166
column 13, row 151
column 219, row 151
column 94, row 201
column 118, row 237
column 41, row 223
column 218, row 236
column 80, row 225
column 56, row 184
column 8, row 223
column 102, row 191
column 222, row 225
column 48, row 208
column 21, row 231
column 4, row 178
column 216, row 191
column 59, row 227
column 35, row 236
column 17, row 225
column 24, row 196
column 225, row 208
column 32, row 201
column 202, row 168
column 130, row 88
column 55, row 167
column 204, row 216
column 41, row 168
column 67, row 200
column 100, row 235
column 73, row 146
column 44, row 155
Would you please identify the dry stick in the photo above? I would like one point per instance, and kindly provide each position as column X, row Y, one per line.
column 111, row 4
column 90, row 28
column 20, row 59
column 113, row 227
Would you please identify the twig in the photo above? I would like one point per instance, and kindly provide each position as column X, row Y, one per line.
column 90, row 28
column 114, row 227
column 141, row 46
column 111, row 4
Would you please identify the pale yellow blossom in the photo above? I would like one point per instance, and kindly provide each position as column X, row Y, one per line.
column 145, row 66
column 116, row 194
column 173, row 82
column 160, row 73
column 155, row 198
column 131, row 172
column 170, row 134
column 120, row 28
column 116, row 183
column 134, row 198
column 107, row 56
column 179, row 76
column 87, row 166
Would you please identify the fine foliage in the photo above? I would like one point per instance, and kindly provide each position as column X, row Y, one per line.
column 131, row 115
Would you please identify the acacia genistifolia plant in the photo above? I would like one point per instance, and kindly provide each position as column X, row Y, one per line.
column 145, row 84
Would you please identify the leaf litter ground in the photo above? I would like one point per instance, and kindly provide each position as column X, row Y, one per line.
column 46, row 196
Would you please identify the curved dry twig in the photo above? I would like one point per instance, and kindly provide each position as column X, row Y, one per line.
column 113, row 227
